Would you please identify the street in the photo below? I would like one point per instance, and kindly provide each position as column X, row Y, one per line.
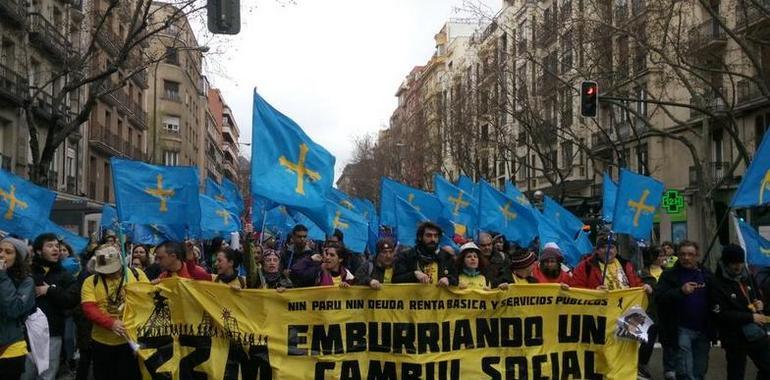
column 716, row 365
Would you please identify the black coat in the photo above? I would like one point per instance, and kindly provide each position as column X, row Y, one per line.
column 731, row 307
column 414, row 259
column 63, row 294
column 369, row 271
column 668, row 297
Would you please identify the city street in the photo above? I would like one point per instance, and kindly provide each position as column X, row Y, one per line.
column 716, row 365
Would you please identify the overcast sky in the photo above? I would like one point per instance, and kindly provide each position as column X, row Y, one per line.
column 331, row 65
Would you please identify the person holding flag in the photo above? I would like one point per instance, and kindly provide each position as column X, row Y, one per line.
column 605, row 270
column 325, row 269
column 298, row 248
column 426, row 263
column 102, row 298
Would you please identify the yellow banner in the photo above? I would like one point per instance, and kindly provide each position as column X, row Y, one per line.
column 197, row 330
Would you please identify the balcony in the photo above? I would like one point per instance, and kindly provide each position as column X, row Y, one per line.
column 708, row 36
column 47, row 37
column 13, row 11
column 13, row 87
column 103, row 139
column 716, row 170
column 600, row 141
column 72, row 185
column 227, row 134
column 43, row 106
column 710, row 103
column 110, row 41
column 751, row 13
column 229, row 153
column 749, row 92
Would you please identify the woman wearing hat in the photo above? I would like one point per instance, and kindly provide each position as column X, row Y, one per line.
column 17, row 300
column 102, row 298
column 469, row 268
column 522, row 264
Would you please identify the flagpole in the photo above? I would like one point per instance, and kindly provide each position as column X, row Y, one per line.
column 607, row 257
column 262, row 230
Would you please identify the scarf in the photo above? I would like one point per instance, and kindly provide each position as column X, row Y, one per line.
column 471, row 272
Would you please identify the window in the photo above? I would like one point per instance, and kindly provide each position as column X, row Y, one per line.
column 566, row 61
column 8, row 54
column 171, row 90
column 171, row 123
column 70, row 162
column 641, row 104
column 170, row 158
column 641, row 158
column 172, row 56
column 567, row 152
column 485, row 132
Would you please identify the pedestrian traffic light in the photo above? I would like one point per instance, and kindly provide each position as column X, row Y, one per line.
column 224, row 16
column 589, row 98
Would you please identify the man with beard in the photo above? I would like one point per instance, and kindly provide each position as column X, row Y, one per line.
column 425, row 263
column 494, row 261
column 549, row 270
column 297, row 249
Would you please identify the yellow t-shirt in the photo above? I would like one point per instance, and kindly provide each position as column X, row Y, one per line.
column 15, row 350
column 337, row 280
column 387, row 277
column 473, row 282
column 432, row 271
column 96, row 293
column 655, row 271
column 234, row 282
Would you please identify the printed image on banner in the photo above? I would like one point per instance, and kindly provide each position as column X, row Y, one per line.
column 188, row 329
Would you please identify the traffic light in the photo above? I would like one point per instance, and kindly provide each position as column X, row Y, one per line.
column 589, row 98
column 224, row 16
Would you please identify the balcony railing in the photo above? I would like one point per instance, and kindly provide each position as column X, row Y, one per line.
column 106, row 140
column 72, row 185
column 44, row 108
column 13, row 87
column 14, row 11
column 599, row 140
column 710, row 102
column 749, row 91
column 107, row 38
column 750, row 11
column 47, row 36
column 172, row 96
column 716, row 170
column 708, row 34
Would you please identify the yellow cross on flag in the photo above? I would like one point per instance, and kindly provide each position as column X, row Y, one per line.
column 161, row 193
column 12, row 200
column 300, row 169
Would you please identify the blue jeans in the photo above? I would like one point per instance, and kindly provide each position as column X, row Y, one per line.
column 693, row 355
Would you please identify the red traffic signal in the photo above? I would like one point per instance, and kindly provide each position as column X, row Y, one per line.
column 589, row 98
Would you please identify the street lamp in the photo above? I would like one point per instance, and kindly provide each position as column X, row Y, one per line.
column 155, row 160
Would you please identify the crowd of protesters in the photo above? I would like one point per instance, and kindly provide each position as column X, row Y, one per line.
column 82, row 296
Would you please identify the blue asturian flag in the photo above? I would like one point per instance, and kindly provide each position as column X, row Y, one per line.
column 459, row 207
column 24, row 206
column 550, row 232
column 287, row 167
column 408, row 219
column 513, row 192
column 467, row 185
column 499, row 212
column 609, row 193
column 638, row 198
column 215, row 217
column 425, row 203
column 583, row 243
column 109, row 218
column 757, row 247
column 233, row 195
column 570, row 223
column 77, row 242
column 313, row 231
column 353, row 226
column 754, row 189
column 279, row 222
column 152, row 194
column 154, row 234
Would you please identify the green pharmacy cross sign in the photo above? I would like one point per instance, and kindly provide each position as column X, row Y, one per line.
column 673, row 202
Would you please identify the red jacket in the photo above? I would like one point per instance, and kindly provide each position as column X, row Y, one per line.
column 564, row 277
column 189, row 271
column 588, row 274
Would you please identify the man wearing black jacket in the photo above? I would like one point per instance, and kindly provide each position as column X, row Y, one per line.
column 57, row 291
column 426, row 263
column 682, row 296
column 738, row 311
column 380, row 271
